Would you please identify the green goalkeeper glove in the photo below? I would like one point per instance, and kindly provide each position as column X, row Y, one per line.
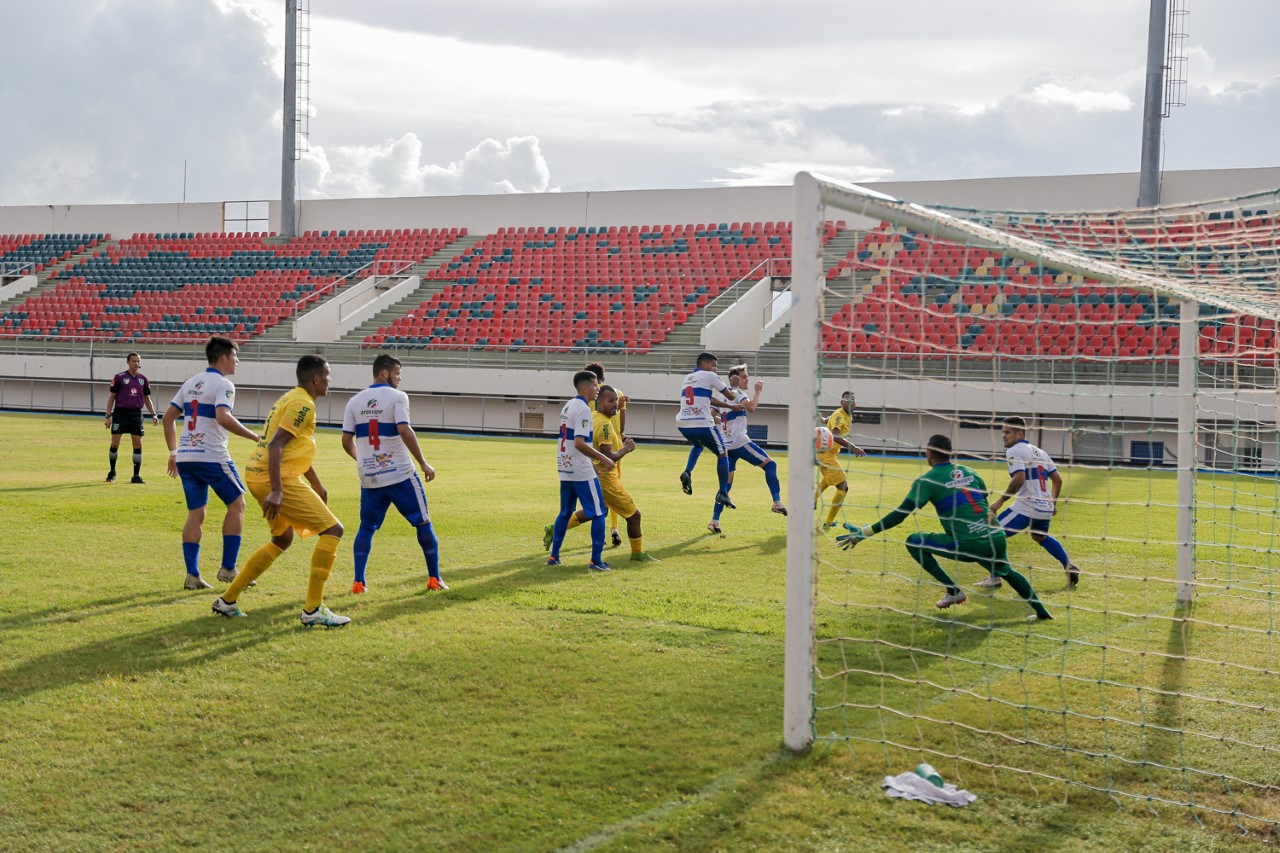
column 854, row 536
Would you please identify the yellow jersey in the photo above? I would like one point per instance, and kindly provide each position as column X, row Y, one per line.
column 604, row 436
column 839, row 423
column 616, row 420
column 295, row 413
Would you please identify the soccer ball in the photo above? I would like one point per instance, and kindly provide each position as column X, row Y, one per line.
column 823, row 440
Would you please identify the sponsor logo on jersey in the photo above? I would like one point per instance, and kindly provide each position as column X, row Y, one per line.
column 302, row 416
column 959, row 479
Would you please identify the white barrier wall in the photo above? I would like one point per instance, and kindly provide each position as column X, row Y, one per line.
column 528, row 402
column 485, row 214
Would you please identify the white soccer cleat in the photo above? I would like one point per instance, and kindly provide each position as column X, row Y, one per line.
column 324, row 616
column 196, row 582
column 231, row 611
column 713, row 527
column 957, row 597
column 989, row 582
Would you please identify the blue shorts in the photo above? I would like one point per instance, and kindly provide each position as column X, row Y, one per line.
column 199, row 477
column 1014, row 522
column 407, row 496
column 584, row 492
column 708, row 437
column 750, row 453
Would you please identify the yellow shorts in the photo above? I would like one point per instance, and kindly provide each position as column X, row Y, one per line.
column 301, row 508
column 617, row 498
column 832, row 476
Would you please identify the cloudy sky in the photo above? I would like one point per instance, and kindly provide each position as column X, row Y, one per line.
column 106, row 99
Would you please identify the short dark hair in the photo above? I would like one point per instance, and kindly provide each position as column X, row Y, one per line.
column 1015, row 422
column 735, row 370
column 309, row 367
column 706, row 356
column 597, row 368
column 940, row 445
column 608, row 388
column 583, row 376
column 132, row 354
column 218, row 347
column 385, row 361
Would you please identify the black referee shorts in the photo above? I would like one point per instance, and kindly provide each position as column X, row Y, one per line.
column 126, row 422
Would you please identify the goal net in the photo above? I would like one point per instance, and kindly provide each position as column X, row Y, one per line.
column 1139, row 349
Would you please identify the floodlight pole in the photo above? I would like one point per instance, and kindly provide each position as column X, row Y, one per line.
column 1153, row 106
column 289, row 135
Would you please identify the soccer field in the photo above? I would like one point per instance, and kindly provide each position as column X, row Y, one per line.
column 528, row 708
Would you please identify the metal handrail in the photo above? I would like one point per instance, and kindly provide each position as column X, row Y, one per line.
column 400, row 272
column 17, row 269
column 766, row 264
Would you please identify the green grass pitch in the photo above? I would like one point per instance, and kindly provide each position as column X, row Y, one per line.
column 529, row 708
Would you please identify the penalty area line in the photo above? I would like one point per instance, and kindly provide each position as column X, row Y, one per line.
column 721, row 783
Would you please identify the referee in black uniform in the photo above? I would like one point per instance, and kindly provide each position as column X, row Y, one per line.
column 129, row 391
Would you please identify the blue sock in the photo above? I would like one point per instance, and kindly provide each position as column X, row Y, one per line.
column 722, row 472
column 360, row 551
column 1055, row 549
column 191, row 556
column 559, row 529
column 717, row 508
column 597, row 539
column 230, row 550
column 694, row 453
column 771, row 480
column 430, row 549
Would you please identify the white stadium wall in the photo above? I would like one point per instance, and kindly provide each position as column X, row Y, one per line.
column 485, row 214
column 511, row 401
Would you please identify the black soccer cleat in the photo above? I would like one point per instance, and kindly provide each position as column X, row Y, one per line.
column 111, row 476
column 616, row 539
column 686, row 482
column 723, row 499
column 137, row 480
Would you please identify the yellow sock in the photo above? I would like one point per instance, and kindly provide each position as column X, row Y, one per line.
column 573, row 521
column 637, row 544
column 836, row 503
column 322, row 560
column 253, row 569
column 613, row 519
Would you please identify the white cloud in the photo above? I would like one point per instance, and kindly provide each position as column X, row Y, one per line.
column 784, row 171
column 396, row 168
column 1083, row 100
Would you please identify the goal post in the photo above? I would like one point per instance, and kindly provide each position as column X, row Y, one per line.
column 1140, row 348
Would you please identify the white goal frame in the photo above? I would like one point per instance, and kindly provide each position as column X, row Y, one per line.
column 813, row 195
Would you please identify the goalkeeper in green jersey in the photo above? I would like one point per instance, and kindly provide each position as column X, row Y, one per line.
column 972, row 536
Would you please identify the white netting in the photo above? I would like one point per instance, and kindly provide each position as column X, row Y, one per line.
column 947, row 322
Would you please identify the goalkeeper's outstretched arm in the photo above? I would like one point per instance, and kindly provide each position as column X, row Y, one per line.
column 893, row 519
